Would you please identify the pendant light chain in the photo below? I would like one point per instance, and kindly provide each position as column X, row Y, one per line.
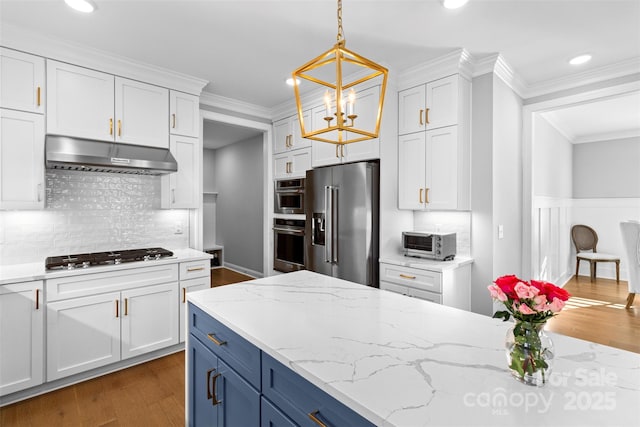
column 340, row 37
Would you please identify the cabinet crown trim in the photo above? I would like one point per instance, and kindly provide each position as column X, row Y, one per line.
column 59, row 50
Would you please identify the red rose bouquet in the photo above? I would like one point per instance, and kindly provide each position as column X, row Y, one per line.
column 529, row 349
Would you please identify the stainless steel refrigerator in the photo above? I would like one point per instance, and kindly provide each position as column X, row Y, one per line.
column 341, row 207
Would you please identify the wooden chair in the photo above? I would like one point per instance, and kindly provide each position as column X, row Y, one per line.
column 585, row 239
column 631, row 239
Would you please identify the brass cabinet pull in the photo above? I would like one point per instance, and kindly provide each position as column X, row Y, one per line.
column 38, row 96
column 111, row 126
column 190, row 269
column 173, row 195
column 214, row 398
column 337, row 156
column 126, row 306
column 406, row 276
column 426, row 116
column 290, row 141
column 117, row 312
column 184, row 295
column 426, row 195
column 37, row 299
column 211, row 387
column 421, row 122
column 342, row 150
column 174, row 120
column 315, row 419
column 39, row 192
column 215, row 340
column 421, row 196
column 119, row 127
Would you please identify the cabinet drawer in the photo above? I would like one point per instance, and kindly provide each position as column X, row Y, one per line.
column 421, row 279
column 193, row 269
column 237, row 352
column 270, row 416
column 97, row 283
column 298, row 399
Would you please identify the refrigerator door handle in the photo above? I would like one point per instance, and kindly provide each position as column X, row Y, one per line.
column 328, row 211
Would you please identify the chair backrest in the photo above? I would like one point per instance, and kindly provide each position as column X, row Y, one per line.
column 631, row 240
column 584, row 238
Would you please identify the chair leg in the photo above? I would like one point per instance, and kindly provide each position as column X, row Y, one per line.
column 617, row 271
column 592, row 270
column 630, row 299
column 577, row 266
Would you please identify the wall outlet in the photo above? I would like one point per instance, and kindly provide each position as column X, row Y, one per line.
column 500, row 231
column 178, row 228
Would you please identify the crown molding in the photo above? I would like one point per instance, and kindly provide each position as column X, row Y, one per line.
column 457, row 62
column 607, row 72
column 609, row 136
column 76, row 54
column 230, row 104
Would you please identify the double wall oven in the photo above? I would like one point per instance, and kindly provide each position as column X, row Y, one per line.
column 289, row 231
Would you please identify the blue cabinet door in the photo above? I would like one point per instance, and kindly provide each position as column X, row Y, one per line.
column 270, row 416
column 203, row 366
column 240, row 401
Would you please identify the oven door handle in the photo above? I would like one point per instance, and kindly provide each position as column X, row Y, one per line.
column 288, row 230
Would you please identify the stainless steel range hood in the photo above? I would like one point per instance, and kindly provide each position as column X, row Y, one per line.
column 63, row 152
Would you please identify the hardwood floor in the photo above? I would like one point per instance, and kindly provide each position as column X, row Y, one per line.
column 224, row 276
column 152, row 394
column 595, row 312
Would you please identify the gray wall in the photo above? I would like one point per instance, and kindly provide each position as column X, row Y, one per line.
column 239, row 206
column 607, row 169
column 482, row 192
column 496, row 186
column 552, row 161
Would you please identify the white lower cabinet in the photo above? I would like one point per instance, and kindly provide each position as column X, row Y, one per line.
column 22, row 335
column 94, row 320
column 194, row 276
column 450, row 286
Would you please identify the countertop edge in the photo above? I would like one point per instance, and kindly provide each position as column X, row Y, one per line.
column 34, row 271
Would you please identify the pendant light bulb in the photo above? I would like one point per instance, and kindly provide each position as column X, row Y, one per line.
column 85, row 6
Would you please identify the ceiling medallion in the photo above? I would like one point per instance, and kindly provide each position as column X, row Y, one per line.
column 339, row 76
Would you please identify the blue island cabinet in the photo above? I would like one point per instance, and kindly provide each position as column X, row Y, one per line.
column 232, row 383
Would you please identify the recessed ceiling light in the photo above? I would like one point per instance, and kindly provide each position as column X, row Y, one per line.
column 454, row 4
column 290, row 81
column 580, row 59
column 86, row 6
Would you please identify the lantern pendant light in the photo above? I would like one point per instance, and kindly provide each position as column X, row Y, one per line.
column 338, row 75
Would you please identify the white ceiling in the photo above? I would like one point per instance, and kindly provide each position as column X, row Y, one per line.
column 218, row 135
column 607, row 119
column 245, row 49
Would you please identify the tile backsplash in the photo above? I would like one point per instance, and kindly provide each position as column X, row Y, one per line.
column 89, row 212
column 446, row 222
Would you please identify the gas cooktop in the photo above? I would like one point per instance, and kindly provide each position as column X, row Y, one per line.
column 105, row 258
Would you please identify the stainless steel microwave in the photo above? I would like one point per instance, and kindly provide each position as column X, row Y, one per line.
column 438, row 246
column 288, row 196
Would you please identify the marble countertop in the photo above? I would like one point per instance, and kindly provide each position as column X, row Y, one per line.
column 425, row 264
column 401, row 361
column 36, row 271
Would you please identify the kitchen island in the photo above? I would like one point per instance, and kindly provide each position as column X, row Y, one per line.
column 398, row 361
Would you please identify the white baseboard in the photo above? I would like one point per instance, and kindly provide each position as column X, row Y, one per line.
column 243, row 270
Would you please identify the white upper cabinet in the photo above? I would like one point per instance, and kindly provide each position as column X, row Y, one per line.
column 292, row 164
column 185, row 114
column 21, row 160
column 181, row 190
column 429, row 106
column 287, row 134
column 429, row 171
column 80, row 102
column 141, row 113
column 21, row 81
column 90, row 104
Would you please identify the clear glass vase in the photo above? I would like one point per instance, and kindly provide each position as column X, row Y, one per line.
column 529, row 352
